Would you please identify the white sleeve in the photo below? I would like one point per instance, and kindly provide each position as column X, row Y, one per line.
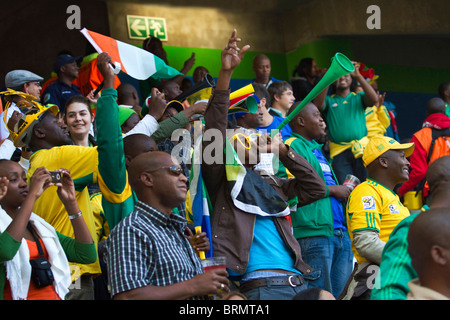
column 369, row 245
column 7, row 149
column 4, row 132
column 148, row 125
column 25, row 163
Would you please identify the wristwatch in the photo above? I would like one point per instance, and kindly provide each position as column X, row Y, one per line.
column 74, row 216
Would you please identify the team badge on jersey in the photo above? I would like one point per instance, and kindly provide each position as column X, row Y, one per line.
column 393, row 208
column 368, row 202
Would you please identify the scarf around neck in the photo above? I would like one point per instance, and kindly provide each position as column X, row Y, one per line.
column 249, row 192
column 18, row 270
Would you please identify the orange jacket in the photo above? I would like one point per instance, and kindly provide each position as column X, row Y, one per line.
column 420, row 158
column 89, row 77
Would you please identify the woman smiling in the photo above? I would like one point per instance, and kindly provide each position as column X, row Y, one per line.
column 79, row 120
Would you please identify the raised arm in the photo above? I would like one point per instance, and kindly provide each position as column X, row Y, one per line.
column 113, row 180
column 216, row 114
column 39, row 182
column 82, row 249
column 231, row 57
column 319, row 101
column 149, row 124
column 66, row 193
column 370, row 97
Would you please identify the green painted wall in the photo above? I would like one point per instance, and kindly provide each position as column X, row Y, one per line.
column 210, row 58
column 392, row 78
column 321, row 51
column 282, row 65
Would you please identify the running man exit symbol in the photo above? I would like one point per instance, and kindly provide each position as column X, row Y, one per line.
column 141, row 28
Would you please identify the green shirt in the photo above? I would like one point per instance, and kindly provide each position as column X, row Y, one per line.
column 314, row 219
column 168, row 126
column 117, row 197
column 396, row 269
column 345, row 117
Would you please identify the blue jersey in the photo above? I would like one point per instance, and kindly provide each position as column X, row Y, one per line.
column 58, row 93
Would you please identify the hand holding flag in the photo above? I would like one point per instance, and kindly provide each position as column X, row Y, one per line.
column 134, row 61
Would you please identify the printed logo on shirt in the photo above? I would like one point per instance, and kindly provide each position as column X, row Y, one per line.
column 334, row 105
column 325, row 167
column 368, row 202
column 393, row 208
column 46, row 97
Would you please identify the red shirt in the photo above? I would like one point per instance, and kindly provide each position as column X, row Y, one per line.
column 45, row 293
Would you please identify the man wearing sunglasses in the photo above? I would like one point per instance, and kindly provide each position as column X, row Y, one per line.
column 52, row 146
column 149, row 256
column 256, row 238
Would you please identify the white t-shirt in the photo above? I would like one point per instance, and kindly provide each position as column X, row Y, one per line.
column 4, row 132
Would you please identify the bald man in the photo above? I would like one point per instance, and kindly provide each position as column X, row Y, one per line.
column 262, row 69
column 320, row 227
column 127, row 96
column 429, row 248
column 150, row 185
column 149, row 257
column 137, row 144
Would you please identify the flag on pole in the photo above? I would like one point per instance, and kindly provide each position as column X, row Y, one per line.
column 200, row 203
column 134, row 61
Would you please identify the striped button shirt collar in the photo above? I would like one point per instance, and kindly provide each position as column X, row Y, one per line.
column 157, row 217
column 148, row 248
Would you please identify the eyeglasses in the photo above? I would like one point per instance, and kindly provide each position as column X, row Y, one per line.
column 247, row 139
column 174, row 170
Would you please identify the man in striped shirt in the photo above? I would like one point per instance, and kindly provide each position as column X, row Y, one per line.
column 148, row 255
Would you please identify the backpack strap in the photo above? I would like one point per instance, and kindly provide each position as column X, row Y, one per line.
column 435, row 133
column 36, row 239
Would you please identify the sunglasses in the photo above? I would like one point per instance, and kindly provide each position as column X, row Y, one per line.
column 247, row 139
column 174, row 170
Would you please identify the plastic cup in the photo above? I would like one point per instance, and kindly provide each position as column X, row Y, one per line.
column 214, row 263
column 351, row 181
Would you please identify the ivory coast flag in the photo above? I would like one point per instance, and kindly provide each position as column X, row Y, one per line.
column 134, row 61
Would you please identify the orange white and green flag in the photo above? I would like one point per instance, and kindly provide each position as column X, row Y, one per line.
column 134, row 61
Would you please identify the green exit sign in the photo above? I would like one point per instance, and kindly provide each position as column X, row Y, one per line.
column 141, row 28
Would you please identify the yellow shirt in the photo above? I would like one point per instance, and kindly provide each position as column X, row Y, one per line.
column 377, row 120
column 83, row 165
column 372, row 206
column 101, row 225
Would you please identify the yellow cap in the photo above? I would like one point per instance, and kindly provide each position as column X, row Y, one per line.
column 379, row 145
column 32, row 112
